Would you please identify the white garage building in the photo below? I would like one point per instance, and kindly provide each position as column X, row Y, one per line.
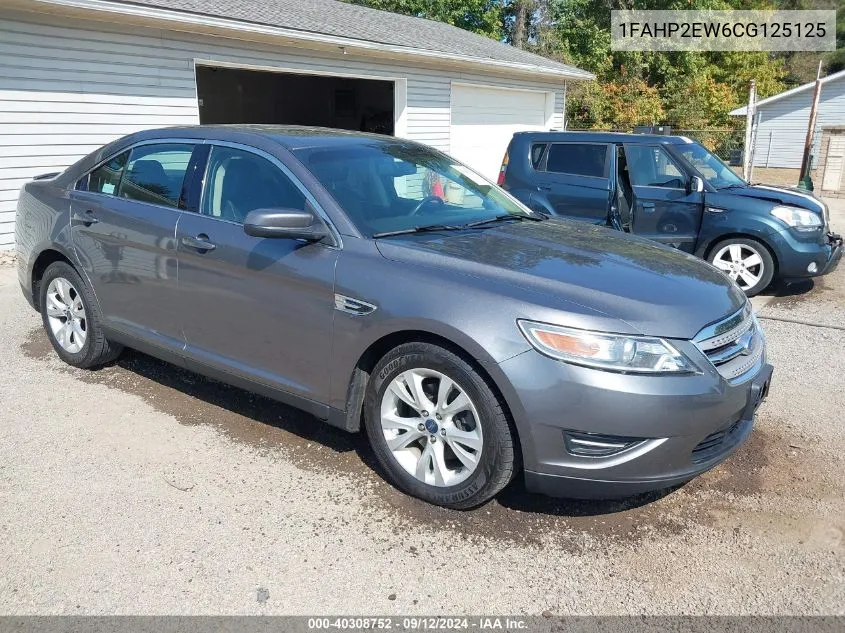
column 79, row 73
column 783, row 120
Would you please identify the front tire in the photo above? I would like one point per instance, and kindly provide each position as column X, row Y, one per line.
column 436, row 427
column 746, row 261
column 72, row 319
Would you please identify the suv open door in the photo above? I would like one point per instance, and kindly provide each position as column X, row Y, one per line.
column 665, row 207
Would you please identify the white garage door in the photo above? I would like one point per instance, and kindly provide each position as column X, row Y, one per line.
column 484, row 119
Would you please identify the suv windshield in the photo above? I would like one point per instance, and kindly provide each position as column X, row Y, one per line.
column 717, row 173
column 388, row 187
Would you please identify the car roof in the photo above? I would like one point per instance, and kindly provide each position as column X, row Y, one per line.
column 603, row 137
column 292, row 137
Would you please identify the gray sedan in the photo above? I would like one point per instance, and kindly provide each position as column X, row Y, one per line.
column 384, row 287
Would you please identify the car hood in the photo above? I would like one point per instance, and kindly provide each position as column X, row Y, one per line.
column 792, row 196
column 648, row 288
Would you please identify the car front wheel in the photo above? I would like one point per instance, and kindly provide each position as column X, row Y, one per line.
column 436, row 427
column 747, row 262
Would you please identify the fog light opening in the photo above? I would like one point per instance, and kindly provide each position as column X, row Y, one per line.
column 596, row 444
column 813, row 268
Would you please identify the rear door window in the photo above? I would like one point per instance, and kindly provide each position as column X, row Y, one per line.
column 578, row 159
column 155, row 173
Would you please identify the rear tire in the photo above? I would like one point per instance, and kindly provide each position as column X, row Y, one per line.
column 745, row 261
column 72, row 320
column 448, row 441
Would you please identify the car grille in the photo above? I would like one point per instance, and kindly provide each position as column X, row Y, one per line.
column 734, row 345
column 715, row 443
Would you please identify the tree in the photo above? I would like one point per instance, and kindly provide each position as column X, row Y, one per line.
column 685, row 89
column 614, row 105
column 698, row 102
column 485, row 17
column 519, row 18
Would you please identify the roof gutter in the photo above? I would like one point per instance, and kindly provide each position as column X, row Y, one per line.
column 192, row 22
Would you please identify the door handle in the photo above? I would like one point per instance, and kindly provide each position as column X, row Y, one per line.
column 86, row 218
column 647, row 206
column 200, row 243
column 544, row 187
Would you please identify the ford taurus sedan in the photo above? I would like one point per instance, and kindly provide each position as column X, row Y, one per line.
column 384, row 287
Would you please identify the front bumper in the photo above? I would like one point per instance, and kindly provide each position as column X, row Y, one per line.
column 798, row 258
column 685, row 424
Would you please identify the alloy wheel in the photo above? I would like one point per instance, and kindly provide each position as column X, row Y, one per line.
column 431, row 427
column 66, row 315
column 742, row 263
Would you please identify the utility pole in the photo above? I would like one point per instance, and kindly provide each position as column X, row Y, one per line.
column 750, row 111
column 804, row 180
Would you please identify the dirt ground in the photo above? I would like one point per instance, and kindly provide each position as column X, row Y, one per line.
column 143, row 489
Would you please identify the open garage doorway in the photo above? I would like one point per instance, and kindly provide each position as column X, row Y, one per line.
column 234, row 95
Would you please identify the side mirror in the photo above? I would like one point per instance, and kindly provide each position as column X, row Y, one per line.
column 695, row 185
column 286, row 223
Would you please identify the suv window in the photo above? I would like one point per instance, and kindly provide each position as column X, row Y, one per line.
column 651, row 166
column 537, row 154
column 106, row 177
column 578, row 159
column 238, row 182
column 155, row 173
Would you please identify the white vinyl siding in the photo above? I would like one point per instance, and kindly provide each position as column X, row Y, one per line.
column 783, row 125
column 69, row 86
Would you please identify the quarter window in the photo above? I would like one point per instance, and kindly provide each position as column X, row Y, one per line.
column 650, row 166
column 106, row 178
column 155, row 173
column 537, row 154
column 238, row 182
column 578, row 159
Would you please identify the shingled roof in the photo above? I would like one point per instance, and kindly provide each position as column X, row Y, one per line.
column 362, row 24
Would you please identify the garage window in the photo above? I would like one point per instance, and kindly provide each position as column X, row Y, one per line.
column 578, row 159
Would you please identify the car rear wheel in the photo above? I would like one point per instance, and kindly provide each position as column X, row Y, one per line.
column 72, row 320
column 747, row 262
column 437, row 429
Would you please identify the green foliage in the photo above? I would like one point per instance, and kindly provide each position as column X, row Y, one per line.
column 696, row 90
column 614, row 105
column 485, row 17
column 683, row 89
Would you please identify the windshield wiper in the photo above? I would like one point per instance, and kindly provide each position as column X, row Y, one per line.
column 420, row 229
column 504, row 217
column 735, row 185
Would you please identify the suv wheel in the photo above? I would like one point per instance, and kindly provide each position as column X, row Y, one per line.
column 747, row 262
column 72, row 320
column 436, row 427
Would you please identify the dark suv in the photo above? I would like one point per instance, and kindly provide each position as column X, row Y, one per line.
column 673, row 190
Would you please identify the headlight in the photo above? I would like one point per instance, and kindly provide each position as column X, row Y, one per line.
column 799, row 219
column 612, row 352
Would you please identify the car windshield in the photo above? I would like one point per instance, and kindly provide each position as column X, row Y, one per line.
column 717, row 173
column 388, row 187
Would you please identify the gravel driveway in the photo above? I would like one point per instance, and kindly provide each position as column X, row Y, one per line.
column 142, row 489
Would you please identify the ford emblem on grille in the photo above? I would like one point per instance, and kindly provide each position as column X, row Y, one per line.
column 745, row 342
